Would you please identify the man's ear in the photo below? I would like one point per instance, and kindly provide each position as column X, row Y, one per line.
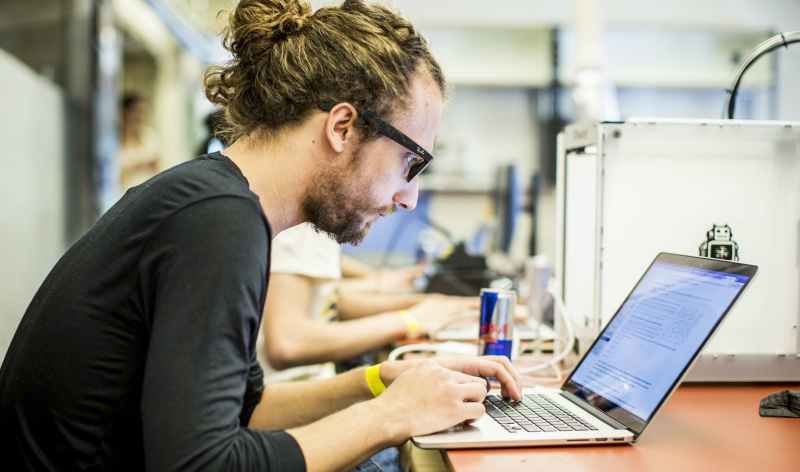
column 340, row 125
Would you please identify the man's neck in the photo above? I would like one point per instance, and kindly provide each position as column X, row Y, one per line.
column 279, row 173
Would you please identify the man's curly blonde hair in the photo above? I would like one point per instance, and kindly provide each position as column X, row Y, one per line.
column 287, row 59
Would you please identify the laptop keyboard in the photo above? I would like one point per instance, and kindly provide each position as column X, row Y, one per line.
column 534, row 413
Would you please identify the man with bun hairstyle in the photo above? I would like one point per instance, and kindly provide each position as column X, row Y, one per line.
column 138, row 352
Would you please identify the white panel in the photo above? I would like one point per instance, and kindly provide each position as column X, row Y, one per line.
column 580, row 236
column 32, row 193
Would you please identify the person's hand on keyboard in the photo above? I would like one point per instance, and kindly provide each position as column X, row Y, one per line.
column 495, row 367
column 429, row 395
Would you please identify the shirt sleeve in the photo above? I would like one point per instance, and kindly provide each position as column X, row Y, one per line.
column 301, row 250
column 204, row 275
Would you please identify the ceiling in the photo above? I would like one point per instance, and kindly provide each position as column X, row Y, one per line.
column 691, row 14
column 500, row 20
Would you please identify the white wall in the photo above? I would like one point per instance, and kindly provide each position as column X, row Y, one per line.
column 32, row 193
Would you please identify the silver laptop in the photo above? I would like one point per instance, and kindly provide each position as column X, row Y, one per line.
column 630, row 371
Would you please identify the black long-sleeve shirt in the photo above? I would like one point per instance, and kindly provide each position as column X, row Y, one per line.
column 138, row 350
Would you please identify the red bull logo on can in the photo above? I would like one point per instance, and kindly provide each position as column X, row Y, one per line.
column 497, row 322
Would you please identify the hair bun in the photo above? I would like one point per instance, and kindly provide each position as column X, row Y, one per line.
column 293, row 19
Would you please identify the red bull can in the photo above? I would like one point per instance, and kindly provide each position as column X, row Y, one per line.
column 497, row 322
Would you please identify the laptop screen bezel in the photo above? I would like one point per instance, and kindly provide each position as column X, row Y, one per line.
column 603, row 405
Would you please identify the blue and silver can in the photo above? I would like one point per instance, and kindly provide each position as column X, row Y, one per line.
column 497, row 322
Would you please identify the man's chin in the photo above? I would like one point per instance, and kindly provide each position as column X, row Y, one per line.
column 348, row 236
column 356, row 238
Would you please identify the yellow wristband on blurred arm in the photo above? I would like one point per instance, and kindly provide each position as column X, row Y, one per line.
column 411, row 320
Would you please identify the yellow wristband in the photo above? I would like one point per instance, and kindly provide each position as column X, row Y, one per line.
column 411, row 320
column 376, row 385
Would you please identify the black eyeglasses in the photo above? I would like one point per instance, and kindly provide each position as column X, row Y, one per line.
column 395, row 135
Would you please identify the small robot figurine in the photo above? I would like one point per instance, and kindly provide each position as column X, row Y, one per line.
column 719, row 244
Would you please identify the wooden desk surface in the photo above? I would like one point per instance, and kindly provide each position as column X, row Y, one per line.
column 702, row 427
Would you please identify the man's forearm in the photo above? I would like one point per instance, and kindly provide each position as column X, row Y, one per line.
column 423, row 396
column 292, row 404
column 349, row 437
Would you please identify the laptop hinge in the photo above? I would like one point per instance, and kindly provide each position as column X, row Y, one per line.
column 596, row 413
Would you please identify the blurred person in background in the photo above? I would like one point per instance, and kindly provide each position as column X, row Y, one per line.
column 213, row 141
column 139, row 148
column 314, row 317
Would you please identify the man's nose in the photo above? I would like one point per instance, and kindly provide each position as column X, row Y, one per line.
column 406, row 197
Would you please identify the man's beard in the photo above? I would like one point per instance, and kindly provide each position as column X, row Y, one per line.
column 339, row 201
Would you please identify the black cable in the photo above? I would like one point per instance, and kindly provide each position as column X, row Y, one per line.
column 783, row 39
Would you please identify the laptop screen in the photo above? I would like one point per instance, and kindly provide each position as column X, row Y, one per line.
column 655, row 335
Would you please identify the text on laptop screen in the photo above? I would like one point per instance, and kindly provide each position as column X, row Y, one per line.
column 649, row 343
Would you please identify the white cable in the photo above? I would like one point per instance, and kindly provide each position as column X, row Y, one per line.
column 398, row 352
column 559, row 310
column 449, row 348
column 453, row 319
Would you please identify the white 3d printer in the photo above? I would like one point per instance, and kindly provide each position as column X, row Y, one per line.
column 719, row 188
column 727, row 189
